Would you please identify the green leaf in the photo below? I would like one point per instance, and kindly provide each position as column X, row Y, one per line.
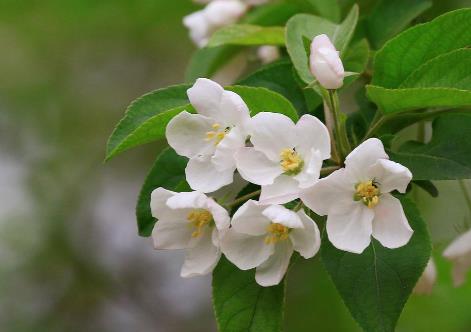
column 391, row 17
column 158, row 104
column 247, row 34
column 168, row 172
column 329, row 9
column 376, row 284
column 241, row 304
column 264, row 100
column 279, row 77
column 446, row 157
column 401, row 56
column 271, row 14
column 302, row 28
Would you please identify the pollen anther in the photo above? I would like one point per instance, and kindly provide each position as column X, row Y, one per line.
column 290, row 161
column 368, row 193
column 199, row 218
column 276, row 232
column 217, row 135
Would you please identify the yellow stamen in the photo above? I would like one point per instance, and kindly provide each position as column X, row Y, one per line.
column 276, row 232
column 367, row 192
column 291, row 162
column 217, row 135
column 199, row 218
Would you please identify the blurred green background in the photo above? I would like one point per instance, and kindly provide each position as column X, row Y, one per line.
column 70, row 257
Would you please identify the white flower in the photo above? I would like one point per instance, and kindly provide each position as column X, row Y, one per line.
column 210, row 137
column 357, row 200
column 268, row 53
column 325, row 63
column 285, row 157
column 192, row 221
column 217, row 14
column 264, row 238
column 427, row 280
column 459, row 252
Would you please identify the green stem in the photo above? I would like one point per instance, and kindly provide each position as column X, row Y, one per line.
column 341, row 139
column 244, row 198
column 329, row 169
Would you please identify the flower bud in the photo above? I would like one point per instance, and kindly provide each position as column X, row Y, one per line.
column 268, row 53
column 325, row 63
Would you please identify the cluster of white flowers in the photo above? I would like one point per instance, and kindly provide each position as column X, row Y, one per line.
column 285, row 159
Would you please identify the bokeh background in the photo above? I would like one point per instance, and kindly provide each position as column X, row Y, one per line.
column 70, row 257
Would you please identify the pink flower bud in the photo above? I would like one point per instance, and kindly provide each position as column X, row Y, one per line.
column 325, row 63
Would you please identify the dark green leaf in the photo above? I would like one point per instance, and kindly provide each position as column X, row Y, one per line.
column 247, row 34
column 330, row 9
column 428, row 186
column 168, row 172
column 242, row 305
column 159, row 104
column 376, row 284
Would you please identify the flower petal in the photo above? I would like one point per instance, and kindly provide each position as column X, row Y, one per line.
column 158, row 201
column 248, row 219
column 186, row 134
column 281, row 215
column 201, row 258
column 271, row 133
column 224, row 156
column 274, row 269
column 391, row 175
column 205, row 96
column 363, row 156
column 390, row 225
column 187, row 200
column 351, row 231
column 233, row 110
column 171, row 234
column 459, row 252
column 307, row 240
column 313, row 134
column 220, row 214
column 427, row 280
column 255, row 167
column 332, row 194
column 283, row 190
column 202, row 175
column 245, row 251
column 311, row 170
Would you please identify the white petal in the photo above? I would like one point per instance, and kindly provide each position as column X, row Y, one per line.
column 224, row 156
column 307, row 240
column 313, row 134
column 390, row 225
column 283, row 190
column 271, row 133
column 205, row 96
column 248, row 219
column 224, row 12
column 233, row 110
column 332, row 194
column 351, row 231
column 220, row 214
column 171, row 234
column 391, row 175
column 245, row 251
column 273, row 270
column 281, row 215
column 198, row 26
column 321, row 41
column 187, row 200
column 459, row 252
column 201, row 258
column 363, row 156
column 268, row 54
column 427, row 280
column 461, row 268
column 255, row 167
column 202, row 175
column 158, row 202
column 186, row 134
column 311, row 170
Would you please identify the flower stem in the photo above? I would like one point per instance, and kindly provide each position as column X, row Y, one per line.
column 329, row 169
column 244, row 198
column 342, row 143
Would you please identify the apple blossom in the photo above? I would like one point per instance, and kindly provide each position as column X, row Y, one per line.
column 217, row 14
column 191, row 221
column 268, row 53
column 325, row 63
column 357, row 200
column 264, row 237
column 459, row 252
column 286, row 157
column 427, row 280
column 210, row 137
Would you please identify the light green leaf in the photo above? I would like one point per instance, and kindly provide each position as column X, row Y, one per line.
column 376, row 284
column 168, row 172
column 160, row 103
column 302, row 28
column 247, row 34
column 446, row 157
column 241, row 304
column 391, row 17
column 329, row 9
column 401, row 56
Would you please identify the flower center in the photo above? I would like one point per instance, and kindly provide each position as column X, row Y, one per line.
column 276, row 232
column 217, row 134
column 368, row 192
column 290, row 161
column 199, row 218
